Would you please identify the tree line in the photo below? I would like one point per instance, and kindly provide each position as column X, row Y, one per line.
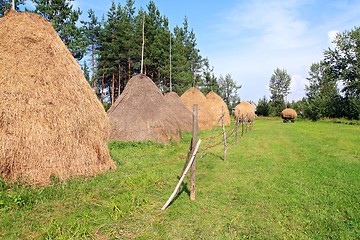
column 109, row 48
column 334, row 84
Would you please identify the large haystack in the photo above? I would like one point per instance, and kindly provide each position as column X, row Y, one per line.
column 215, row 104
column 140, row 114
column 51, row 123
column 194, row 96
column 246, row 111
column 184, row 116
column 288, row 114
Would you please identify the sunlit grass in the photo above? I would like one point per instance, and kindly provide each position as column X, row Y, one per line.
column 296, row 180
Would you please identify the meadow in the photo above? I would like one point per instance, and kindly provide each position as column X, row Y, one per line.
column 281, row 181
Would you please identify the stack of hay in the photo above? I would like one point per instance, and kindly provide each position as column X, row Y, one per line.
column 183, row 114
column 215, row 104
column 51, row 122
column 194, row 96
column 288, row 114
column 141, row 114
column 246, row 112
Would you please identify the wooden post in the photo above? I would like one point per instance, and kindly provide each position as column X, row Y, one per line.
column 242, row 125
column 237, row 126
column 223, row 125
column 13, row 5
column 142, row 48
column 246, row 123
column 182, row 177
column 194, row 140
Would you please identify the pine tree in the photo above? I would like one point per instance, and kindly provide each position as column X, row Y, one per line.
column 91, row 31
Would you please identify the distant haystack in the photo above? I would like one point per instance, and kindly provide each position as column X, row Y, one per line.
column 215, row 104
column 51, row 122
column 141, row 114
column 246, row 111
column 183, row 114
column 194, row 96
column 288, row 114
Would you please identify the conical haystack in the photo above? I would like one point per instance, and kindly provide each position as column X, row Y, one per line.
column 215, row 104
column 246, row 111
column 183, row 114
column 51, row 123
column 140, row 114
column 288, row 113
column 194, row 96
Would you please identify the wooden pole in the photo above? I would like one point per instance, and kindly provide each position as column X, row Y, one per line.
column 143, row 43
column 170, row 60
column 183, row 176
column 242, row 125
column 237, row 126
column 223, row 125
column 194, row 140
column 13, row 5
column 246, row 123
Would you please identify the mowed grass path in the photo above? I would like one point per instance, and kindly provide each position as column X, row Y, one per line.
column 281, row 181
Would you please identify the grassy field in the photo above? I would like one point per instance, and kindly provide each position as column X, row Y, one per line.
column 281, row 181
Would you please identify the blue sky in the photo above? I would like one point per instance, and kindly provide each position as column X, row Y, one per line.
column 250, row 39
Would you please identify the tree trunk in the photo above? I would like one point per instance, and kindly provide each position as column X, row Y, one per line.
column 102, row 85
column 93, row 65
column 129, row 66
column 113, row 87
column 119, row 90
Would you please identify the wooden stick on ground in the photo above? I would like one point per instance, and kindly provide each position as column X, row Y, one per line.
column 223, row 125
column 183, row 176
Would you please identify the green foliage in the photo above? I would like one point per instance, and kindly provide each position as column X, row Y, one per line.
column 279, row 88
column 263, row 107
column 6, row 5
column 106, row 106
column 279, row 85
column 344, row 60
column 86, row 72
column 210, row 82
column 228, row 91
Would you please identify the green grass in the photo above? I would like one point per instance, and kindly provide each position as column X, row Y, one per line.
column 281, row 181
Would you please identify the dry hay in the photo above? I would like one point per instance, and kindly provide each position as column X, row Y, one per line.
column 246, row 111
column 51, row 123
column 288, row 113
column 215, row 104
column 194, row 96
column 184, row 116
column 141, row 114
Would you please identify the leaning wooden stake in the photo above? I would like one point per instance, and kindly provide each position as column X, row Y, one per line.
column 223, row 125
column 237, row 126
column 194, row 139
column 183, row 176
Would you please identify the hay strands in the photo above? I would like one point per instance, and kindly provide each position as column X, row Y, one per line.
column 183, row 176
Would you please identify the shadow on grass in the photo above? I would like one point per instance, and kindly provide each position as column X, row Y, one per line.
column 184, row 188
column 214, row 155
